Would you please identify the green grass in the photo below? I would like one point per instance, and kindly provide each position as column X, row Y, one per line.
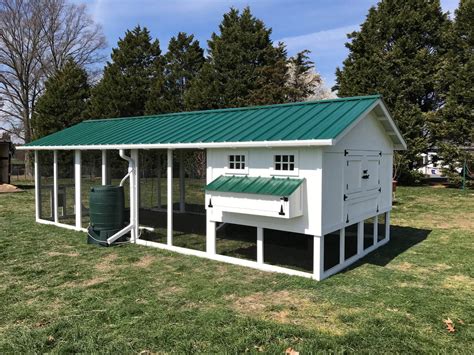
column 59, row 294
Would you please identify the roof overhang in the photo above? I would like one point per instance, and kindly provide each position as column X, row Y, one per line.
column 385, row 118
column 257, row 144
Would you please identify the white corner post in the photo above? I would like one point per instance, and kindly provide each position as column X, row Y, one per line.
column 360, row 237
column 77, row 189
column 37, row 188
column 105, row 171
column 182, row 192
column 342, row 245
column 134, row 196
column 158, row 178
column 55, row 187
column 169, row 197
column 387, row 226
column 318, row 257
column 210, row 235
column 260, row 237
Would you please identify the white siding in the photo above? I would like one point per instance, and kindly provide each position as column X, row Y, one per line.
column 367, row 135
column 260, row 163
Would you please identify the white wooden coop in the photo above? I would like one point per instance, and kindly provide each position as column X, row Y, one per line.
column 321, row 168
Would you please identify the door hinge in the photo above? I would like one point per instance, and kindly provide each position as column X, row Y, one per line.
column 210, row 203
column 345, row 152
column 284, row 199
column 347, row 219
column 377, row 208
column 380, row 189
column 345, row 197
column 380, row 153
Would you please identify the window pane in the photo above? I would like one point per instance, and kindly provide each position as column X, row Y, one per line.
column 292, row 158
column 237, row 158
column 243, row 165
column 277, row 158
column 242, row 157
column 231, row 158
column 285, row 158
column 277, row 166
column 231, row 165
column 292, row 166
column 285, row 166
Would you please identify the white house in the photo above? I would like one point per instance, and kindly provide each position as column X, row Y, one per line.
column 321, row 168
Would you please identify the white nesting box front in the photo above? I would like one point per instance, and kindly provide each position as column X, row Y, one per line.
column 302, row 211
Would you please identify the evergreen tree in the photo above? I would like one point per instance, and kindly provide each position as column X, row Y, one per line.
column 183, row 61
column 243, row 67
column 63, row 102
column 302, row 80
column 135, row 69
column 397, row 53
column 453, row 127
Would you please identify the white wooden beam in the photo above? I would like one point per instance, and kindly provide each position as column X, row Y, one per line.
column 318, row 257
column 260, row 241
column 77, row 189
column 342, row 245
column 182, row 192
column 169, row 197
column 210, row 236
column 55, row 187
column 158, row 178
column 37, row 188
column 134, row 195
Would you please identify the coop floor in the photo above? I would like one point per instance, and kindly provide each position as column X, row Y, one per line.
column 189, row 231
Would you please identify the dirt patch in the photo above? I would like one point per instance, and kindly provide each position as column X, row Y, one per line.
column 55, row 253
column 459, row 282
column 294, row 308
column 7, row 188
column 404, row 266
column 107, row 263
column 144, row 261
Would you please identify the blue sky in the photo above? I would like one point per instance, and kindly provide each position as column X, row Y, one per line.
column 317, row 25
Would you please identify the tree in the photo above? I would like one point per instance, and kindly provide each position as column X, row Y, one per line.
column 125, row 87
column 183, row 61
column 36, row 37
column 453, row 125
column 302, row 78
column 397, row 53
column 63, row 102
column 243, row 67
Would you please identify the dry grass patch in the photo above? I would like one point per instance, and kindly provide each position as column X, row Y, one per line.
column 144, row 261
column 107, row 263
column 290, row 307
column 55, row 253
column 459, row 282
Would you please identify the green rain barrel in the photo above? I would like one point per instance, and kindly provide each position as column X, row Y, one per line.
column 106, row 212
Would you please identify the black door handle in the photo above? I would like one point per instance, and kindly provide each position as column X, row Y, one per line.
column 366, row 176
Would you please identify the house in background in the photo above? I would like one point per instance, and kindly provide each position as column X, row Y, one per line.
column 321, row 169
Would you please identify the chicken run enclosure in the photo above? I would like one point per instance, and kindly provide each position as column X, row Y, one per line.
column 303, row 189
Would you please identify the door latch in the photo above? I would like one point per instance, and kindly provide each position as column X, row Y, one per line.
column 365, row 176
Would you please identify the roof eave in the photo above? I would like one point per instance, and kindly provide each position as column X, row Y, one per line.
column 256, row 144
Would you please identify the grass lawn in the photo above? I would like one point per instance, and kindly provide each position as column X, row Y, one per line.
column 59, row 294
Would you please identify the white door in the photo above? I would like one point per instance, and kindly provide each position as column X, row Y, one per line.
column 361, row 183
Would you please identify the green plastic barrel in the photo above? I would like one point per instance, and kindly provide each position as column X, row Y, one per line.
column 106, row 208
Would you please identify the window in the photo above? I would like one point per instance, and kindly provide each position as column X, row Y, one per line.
column 284, row 162
column 236, row 162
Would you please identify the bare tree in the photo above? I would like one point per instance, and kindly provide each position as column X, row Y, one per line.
column 36, row 38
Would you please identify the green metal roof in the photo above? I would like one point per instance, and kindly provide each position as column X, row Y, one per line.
column 255, row 185
column 316, row 120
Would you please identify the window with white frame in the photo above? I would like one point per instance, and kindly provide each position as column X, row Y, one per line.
column 237, row 162
column 284, row 162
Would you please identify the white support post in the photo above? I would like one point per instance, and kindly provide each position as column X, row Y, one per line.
column 387, row 226
column 376, row 229
column 210, row 236
column 105, row 172
column 158, row 165
column 342, row 245
column 182, row 193
column 77, row 188
column 318, row 257
column 134, row 196
column 169, row 197
column 55, row 186
column 37, row 188
column 260, row 237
